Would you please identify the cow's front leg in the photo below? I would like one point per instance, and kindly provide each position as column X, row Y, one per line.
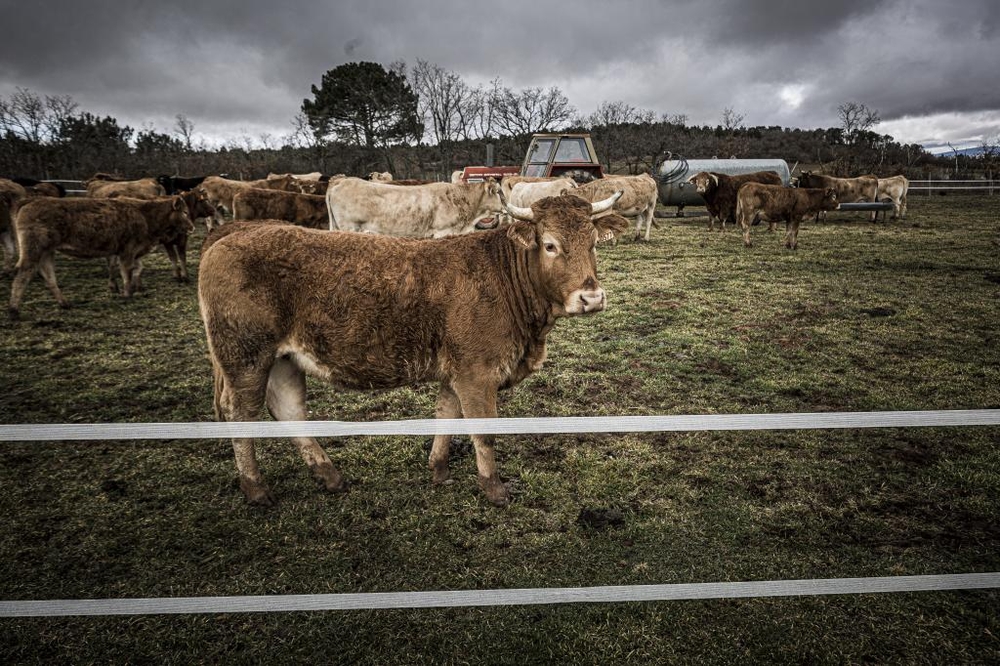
column 480, row 402
column 448, row 407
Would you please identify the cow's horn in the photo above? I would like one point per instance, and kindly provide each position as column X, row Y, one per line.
column 604, row 206
column 517, row 212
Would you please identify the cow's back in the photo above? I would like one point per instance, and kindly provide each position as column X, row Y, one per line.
column 80, row 227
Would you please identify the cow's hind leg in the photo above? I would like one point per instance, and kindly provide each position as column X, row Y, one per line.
column 448, row 407
column 47, row 268
column 241, row 400
column 286, row 401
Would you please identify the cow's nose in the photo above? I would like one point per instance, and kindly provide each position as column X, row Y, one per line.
column 593, row 300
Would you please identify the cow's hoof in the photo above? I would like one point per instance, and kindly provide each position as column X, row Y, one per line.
column 495, row 491
column 13, row 314
column 65, row 306
column 257, row 493
column 331, row 478
column 440, row 473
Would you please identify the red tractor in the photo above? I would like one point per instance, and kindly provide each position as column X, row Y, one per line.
column 549, row 155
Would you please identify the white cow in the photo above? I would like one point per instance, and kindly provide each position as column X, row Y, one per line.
column 433, row 210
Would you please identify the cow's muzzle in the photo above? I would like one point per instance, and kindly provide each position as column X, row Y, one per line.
column 583, row 301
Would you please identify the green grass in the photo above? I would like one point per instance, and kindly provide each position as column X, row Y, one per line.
column 862, row 317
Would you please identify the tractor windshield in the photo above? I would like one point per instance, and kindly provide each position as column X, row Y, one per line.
column 572, row 150
column 540, row 151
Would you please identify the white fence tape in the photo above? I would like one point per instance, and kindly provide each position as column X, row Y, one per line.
column 515, row 597
column 505, row 426
column 441, row 599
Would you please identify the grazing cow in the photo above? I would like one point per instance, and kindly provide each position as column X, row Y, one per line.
column 144, row 188
column 469, row 312
column 849, row 190
column 122, row 228
column 638, row 200
column 774, row 202
column 719, row 191
column 304, row 210
column 420, row 211
column 11, row 196
column 179, row 184
column 894, row 188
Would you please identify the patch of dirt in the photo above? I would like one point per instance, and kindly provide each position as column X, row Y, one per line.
column 600, row 518
column 879, row 312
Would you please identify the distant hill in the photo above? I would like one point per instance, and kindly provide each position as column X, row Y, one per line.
column 974, row 151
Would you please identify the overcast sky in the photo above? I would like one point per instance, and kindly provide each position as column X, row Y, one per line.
column 931, row 68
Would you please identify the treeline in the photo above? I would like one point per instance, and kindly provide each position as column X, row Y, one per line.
column 423, row 122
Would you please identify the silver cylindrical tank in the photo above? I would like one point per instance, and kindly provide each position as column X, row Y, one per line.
column 672, row 176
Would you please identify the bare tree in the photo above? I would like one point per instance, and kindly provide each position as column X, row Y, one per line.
column 184, row 128
column 731, row 120
column 444, row 99
column 532, row 110
column 855, row 119
column 31, row 118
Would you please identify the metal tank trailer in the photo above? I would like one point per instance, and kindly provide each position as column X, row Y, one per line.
column 673, row 173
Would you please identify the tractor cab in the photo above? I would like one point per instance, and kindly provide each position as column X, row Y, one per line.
column 554, row 155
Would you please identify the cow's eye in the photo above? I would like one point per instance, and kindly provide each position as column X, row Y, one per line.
column 551, row 248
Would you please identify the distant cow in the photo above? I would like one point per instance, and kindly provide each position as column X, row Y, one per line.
column 143, row 188
column 719, row 192
column 849, row 190
column 638, row 200
column 305, row 210
column 122, row 228
column 894, row 188
column 11, row 196
column 469, row 312
column 315, row 175
column 774, row 202
column 219, row 192
column 524, row 194
column 380, row 176
column 179, row 184
column 420, row 211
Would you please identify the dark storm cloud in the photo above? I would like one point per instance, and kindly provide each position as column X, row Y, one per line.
column 246, row 65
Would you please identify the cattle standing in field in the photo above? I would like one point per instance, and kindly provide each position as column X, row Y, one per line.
column 304, row 210
column 219, row 192
column 179, row 184
column 123, row 229
column 11, row 196
column 849, row 190
column 419, row 211
column 380, row 176
column 894, row 188
column 469, row 312
column 774, row 202
column 638, row 200
column 719, row 192
column 144, row 188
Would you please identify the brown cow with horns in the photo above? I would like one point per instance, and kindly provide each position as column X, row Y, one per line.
column 363, row 311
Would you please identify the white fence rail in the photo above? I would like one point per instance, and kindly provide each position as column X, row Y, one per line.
column 947, row 185
column 463, row 598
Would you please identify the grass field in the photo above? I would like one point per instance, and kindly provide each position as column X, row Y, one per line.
column 901, row 316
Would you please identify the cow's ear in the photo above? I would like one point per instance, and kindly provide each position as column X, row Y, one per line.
column 492, row 187
column 609, row 226
column 178, row 203
column 523, row 233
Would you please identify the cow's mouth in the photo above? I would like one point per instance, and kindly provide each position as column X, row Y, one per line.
column 487, row 223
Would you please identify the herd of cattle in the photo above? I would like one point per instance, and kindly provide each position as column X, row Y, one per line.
column 284, row 292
